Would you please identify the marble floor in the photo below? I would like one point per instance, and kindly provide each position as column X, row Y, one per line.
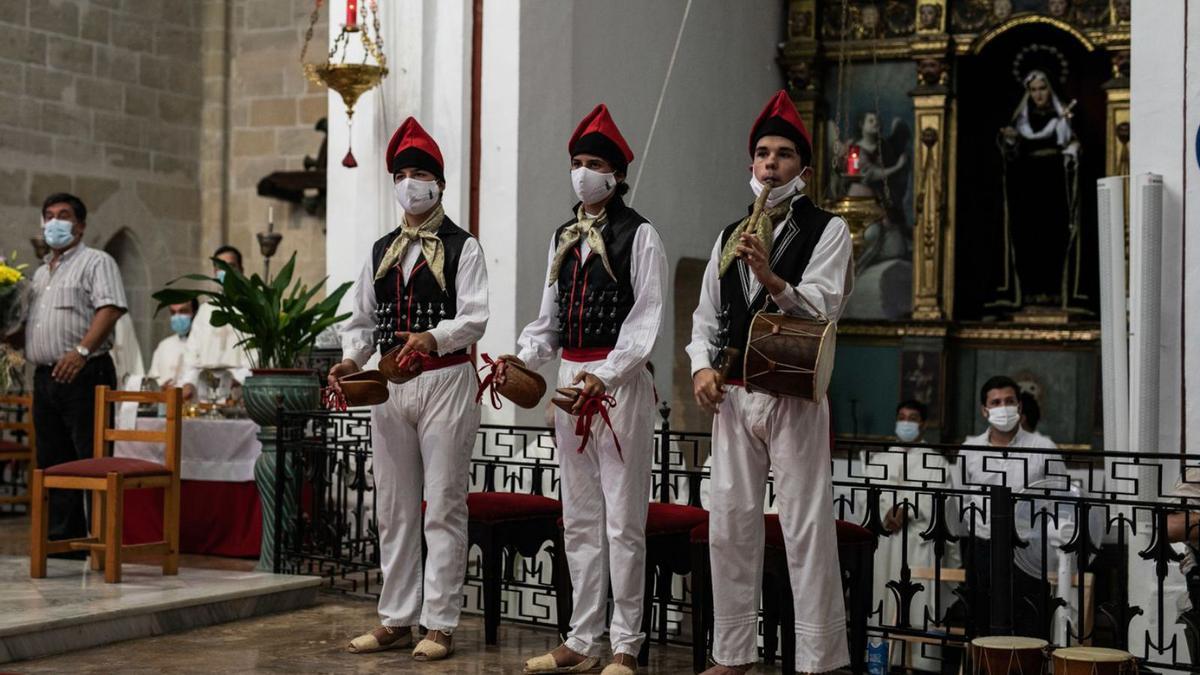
column 313, row 640
column 308, row 640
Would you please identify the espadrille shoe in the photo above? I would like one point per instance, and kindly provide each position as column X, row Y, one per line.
column 432, row 649
column 623, row 664
column 380, row 639
column 546, row 665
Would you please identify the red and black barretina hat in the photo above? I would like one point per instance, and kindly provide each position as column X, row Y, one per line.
column 412, row 146
column 780, row 118
column 598, row 135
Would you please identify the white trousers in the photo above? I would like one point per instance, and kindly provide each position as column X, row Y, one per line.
column 423, row 437
column 605, row 500
column 753, row 434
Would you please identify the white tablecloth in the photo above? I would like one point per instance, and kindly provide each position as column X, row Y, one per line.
column 221, row 450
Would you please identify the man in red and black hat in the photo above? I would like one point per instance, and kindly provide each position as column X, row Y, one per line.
column 602, row 308
column 793, row 258
column 423, row 292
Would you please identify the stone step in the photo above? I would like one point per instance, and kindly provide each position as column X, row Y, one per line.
column 72, row 608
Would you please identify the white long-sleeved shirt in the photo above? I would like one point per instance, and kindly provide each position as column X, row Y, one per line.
column 470, row 314
column 212, row 347
column 538, row 343
column 821, row 293
column 169, row 360
column 1018, row 470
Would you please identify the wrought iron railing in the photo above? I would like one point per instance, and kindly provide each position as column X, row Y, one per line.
column 971, row 541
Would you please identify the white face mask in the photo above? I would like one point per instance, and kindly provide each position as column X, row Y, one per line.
column 1004, row 418
column 417, row 196
column 592, row 186
column 778, row 194
column 907, row 431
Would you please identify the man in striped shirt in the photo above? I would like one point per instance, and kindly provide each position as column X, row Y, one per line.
column 77, row 298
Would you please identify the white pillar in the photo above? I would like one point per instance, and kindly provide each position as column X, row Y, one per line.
column 1191, row 223
column 499, row 179
column 1159, row 31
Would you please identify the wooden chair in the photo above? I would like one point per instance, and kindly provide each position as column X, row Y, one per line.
column 959, row 575
column 18, row 423
column 108, row 478
column 904, row 644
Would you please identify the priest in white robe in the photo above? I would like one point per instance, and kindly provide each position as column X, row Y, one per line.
column 215, row 348
column 169, row 362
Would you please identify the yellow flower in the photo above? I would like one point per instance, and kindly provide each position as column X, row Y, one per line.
column 9, row 275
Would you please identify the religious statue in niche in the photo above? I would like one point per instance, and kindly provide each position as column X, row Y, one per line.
column 871, row 164
column 1039, row 153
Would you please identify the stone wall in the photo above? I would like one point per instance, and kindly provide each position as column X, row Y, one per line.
column 162, row 115
column 260, row 114
column 102, row 99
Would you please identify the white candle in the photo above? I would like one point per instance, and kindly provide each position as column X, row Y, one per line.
column 270, row 219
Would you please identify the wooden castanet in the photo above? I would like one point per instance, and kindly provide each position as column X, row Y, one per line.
column 566, row 398
column 390, row 367
column 522, row 386
column 1093, row 661
column 789, row 356
column 365, row 387
column 1008, row 655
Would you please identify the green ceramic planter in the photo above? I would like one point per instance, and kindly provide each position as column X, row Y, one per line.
column 264, row 392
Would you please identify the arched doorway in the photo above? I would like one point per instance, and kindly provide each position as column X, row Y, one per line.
column 135, row 275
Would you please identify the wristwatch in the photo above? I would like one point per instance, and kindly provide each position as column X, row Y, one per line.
column 82, row 351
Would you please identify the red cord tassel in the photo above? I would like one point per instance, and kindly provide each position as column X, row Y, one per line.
column 488, row 384
column 348, row 161
column 592, row 406
column 333, row 399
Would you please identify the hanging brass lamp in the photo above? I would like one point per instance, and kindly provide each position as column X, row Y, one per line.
column 351, row 80
column 858, row 207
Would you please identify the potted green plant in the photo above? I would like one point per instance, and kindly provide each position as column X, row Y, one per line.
column 278, row 321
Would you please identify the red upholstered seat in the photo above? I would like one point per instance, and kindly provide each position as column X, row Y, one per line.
column 851, row 533
column 774, row 530
column 673, row 518
column 847, row 532
column 99, row 467
column 498, row 506
column 12, row 446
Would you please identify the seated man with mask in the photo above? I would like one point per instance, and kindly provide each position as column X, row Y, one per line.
column 215, row 348
column 168, row 364
column 1000, row 406
column 908, row 511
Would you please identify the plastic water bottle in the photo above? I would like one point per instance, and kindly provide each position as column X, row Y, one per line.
column 877, row 656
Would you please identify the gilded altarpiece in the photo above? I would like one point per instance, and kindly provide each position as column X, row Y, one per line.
column 961, row 140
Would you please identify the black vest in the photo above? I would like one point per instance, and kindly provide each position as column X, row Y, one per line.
column 591, row 304
column 790, row 254
column 420, row 304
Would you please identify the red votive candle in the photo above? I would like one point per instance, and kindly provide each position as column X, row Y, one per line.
column 852, row 161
